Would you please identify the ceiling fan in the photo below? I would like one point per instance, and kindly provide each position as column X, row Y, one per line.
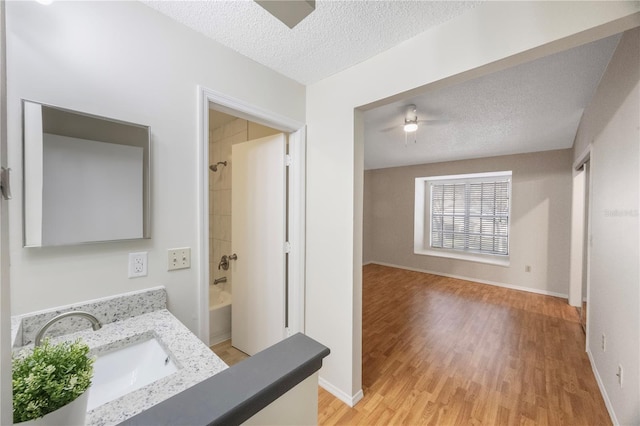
column 410, row 124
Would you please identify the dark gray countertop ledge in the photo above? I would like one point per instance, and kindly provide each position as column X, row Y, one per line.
column 234, row 395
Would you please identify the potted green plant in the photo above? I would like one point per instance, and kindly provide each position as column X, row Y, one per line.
column 50, row 384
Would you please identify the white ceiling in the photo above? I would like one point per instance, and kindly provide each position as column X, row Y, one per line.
column 335, row 36
column 533, row 107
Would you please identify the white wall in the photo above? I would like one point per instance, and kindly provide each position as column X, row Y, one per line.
column 126, row 61
column 493, row 36
column 6, row 414
column 611, row 124
column 540, row 222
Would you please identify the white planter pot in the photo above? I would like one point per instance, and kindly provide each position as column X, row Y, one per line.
column 72, row 414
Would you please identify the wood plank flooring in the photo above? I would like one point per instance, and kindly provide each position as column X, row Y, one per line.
column 442, row 351
column 228, row 353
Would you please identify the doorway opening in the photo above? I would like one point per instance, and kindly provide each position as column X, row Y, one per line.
column 225, row 131
column 579, row 275
column 230, row 129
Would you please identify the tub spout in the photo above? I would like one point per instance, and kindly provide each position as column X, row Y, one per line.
column 220, row 280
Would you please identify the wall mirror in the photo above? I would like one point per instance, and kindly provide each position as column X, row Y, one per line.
column 86, row 178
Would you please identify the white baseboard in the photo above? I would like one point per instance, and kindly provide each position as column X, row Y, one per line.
column 607, row 401
column 367, row 263
column 351, row 401
column 214, row 340
column 460, row 277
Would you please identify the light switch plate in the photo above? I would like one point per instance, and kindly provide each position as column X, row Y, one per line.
column 179, row 258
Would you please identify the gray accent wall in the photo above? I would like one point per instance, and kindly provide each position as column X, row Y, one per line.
column 540, row 220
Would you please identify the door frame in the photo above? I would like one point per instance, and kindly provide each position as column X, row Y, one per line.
column 581, row 237
column 296, row 210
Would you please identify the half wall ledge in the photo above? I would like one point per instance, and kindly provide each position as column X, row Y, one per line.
column 236, row 394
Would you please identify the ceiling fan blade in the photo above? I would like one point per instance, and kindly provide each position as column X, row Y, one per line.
column 433, row 121
column 388, row 129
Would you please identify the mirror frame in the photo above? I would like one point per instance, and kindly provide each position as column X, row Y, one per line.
column 29, row 240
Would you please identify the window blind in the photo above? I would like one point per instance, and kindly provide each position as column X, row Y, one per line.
column 471, row 215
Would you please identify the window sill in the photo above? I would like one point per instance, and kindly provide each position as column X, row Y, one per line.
column 471, row 257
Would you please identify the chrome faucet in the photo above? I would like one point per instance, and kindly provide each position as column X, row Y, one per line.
column 95, row 324
column 224, row 261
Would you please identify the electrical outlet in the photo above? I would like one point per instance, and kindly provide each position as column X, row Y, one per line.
column 138, row 264
column 604, row 343
column 179, row 258
column 619, row 374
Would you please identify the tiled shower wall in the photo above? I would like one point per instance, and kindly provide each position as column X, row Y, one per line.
column 220, row 141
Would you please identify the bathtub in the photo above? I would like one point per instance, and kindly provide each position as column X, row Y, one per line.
column 219, row 315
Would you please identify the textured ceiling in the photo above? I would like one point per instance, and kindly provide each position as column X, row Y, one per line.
column 536, row 106
column 532, row 107
column 337, row 35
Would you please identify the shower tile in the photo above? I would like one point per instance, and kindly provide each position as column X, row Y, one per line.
column 219, row 181
column 221, row 202
column 217, row 134
column 215, row 202
column 214, row 273
column 226, row 247
column 216, row 252
column 216, row 230
column 226, row 227
column 229, row 129
column 220, row 248
column 239, row 138
column 224, row 198
column 224, row 179
column 214, row 152
column 239, row 126
column 225, row 148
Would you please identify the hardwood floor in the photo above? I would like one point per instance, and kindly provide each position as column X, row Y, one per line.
column 442, row 351
column 228, row 353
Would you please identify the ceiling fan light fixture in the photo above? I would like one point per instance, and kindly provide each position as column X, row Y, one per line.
column 410, row 126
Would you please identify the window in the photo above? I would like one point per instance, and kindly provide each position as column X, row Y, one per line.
column 464, row 216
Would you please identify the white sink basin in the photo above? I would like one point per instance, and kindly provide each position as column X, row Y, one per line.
column 127, row 369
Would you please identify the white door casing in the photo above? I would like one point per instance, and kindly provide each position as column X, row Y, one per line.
column 258, row 231
column 296, row 231
column 212, row 99
column 577, row 239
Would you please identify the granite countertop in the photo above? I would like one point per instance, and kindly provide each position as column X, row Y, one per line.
column 196, row 362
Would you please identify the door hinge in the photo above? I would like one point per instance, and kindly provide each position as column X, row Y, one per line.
column 5, row 183
column 288, row 160
column 287, row 247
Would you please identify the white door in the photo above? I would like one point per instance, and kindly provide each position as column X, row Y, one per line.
column 258, row 201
